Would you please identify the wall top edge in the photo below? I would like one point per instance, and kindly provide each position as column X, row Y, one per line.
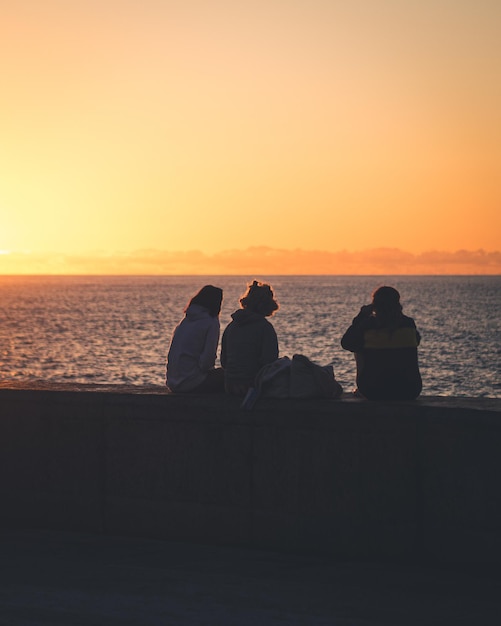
column 213, row 400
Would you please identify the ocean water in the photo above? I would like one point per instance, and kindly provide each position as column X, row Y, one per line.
column 116, row 329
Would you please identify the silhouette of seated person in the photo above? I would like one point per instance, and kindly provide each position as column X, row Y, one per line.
column 192, row 352
column 385, row 343
column 249, row 341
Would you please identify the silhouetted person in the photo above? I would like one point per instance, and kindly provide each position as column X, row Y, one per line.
column 249, row 341
column 192, row 352
column 385, row 343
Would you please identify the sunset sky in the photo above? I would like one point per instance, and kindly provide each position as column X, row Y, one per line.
column 168, row 136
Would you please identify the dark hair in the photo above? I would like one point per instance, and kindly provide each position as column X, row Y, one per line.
column 209, row 297
column 386, row 305
column 386, row 299
column 259, row 298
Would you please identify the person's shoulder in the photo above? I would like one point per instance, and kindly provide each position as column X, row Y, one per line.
column 268, row 327
column 408, row 321
column 266, row 322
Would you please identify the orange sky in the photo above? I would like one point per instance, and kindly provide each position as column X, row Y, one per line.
column 221, row 126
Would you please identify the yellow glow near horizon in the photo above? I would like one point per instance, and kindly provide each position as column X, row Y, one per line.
column 220, row 126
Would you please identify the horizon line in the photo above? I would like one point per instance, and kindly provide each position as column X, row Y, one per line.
column 261, row 260
column 277, row 275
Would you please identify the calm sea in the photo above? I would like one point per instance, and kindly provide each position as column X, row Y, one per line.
column 117, row 329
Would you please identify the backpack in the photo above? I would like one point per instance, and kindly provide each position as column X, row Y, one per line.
column 293, row 378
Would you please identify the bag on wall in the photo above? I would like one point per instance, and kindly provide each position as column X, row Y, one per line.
column 293, row 378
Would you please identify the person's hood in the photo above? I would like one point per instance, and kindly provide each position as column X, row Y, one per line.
column 244, row 316
column 196, row 312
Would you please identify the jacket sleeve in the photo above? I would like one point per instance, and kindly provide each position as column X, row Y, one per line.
column 269, row 348
column 208, row 355
column 418, row 335
column 353, row 339
column 223, row 349
column 409, row 322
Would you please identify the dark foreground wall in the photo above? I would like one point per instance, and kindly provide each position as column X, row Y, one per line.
column 342, row 477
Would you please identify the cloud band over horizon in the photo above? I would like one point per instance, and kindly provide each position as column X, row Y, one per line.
column 256, row 260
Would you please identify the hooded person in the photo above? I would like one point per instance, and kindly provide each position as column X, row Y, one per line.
column 385, row 343
column 192, row 353
column 249, row 341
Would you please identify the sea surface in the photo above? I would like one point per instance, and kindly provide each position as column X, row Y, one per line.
column 93, row 329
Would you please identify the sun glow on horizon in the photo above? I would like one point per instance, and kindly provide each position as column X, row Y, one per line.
column 223, row 126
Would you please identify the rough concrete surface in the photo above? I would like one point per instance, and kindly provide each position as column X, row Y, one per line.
column 74, row 579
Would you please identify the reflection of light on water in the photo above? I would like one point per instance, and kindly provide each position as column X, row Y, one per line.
column 117, row 329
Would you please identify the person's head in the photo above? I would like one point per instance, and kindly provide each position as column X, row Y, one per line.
column 259, row 298
column 386, row 301
column 209, row 297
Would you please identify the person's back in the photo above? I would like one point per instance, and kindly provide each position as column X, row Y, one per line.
column 192, row 352
column 249, row 341
column 385, row 343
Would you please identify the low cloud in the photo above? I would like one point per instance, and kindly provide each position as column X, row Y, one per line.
column 256, row 260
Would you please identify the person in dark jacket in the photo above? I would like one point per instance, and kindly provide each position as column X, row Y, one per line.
column 249, row 341
column 385, row 343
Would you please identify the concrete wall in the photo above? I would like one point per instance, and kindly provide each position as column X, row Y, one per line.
column 341, row 477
